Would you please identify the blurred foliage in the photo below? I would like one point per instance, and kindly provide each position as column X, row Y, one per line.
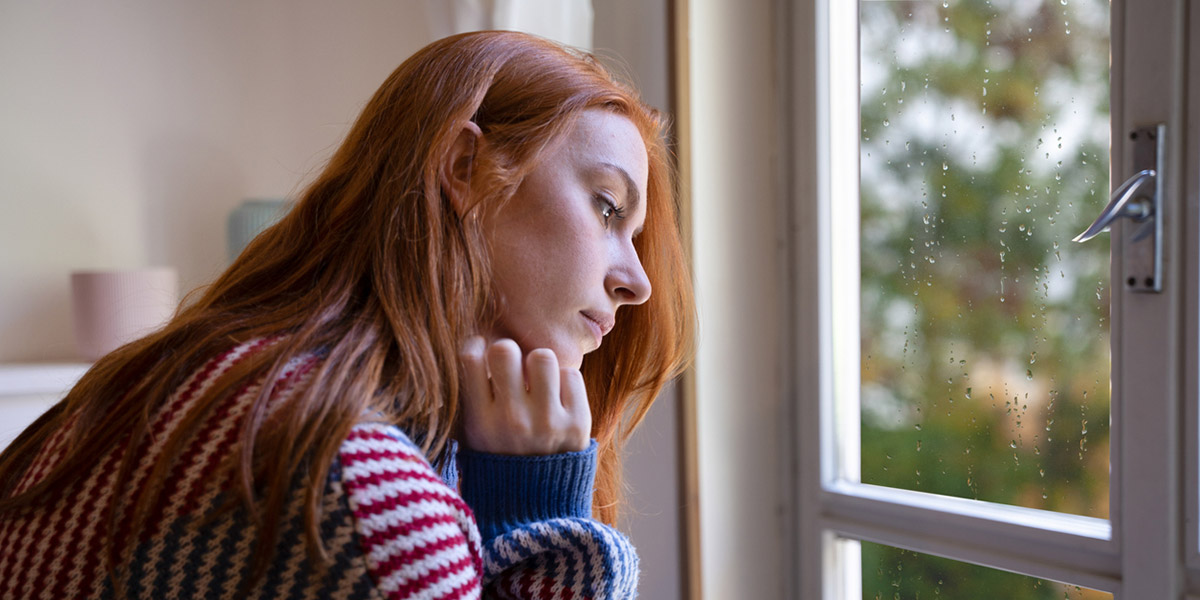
column 985, row 358
column 921, row 576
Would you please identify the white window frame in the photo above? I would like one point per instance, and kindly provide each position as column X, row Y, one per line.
column 1150, row 548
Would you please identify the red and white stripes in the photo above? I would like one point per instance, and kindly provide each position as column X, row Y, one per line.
column 418, row 534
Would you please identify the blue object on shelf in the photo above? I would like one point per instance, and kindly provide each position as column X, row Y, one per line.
column 250, row 219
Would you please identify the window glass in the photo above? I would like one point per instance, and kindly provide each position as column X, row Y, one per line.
column 984, row 150
column 893, row 574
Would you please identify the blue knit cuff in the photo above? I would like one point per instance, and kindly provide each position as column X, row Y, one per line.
column 507, row 492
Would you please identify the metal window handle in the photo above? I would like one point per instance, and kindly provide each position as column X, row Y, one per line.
column 1129, row 201
column 1140, row 199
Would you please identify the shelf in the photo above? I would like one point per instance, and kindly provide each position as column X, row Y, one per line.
column 28, row 379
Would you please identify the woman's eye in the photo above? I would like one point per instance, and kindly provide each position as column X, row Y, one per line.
column 609, row 209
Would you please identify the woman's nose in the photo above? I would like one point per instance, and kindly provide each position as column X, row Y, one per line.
column 627, row 280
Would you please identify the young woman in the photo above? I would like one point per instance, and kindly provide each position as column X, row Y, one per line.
column 491, row 258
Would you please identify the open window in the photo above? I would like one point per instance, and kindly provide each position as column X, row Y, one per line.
column 1000, row 408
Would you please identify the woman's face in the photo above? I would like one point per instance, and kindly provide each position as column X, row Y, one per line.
column 562, row 246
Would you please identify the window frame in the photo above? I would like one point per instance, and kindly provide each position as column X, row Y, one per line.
column 1142, row 550
column 1191, row 376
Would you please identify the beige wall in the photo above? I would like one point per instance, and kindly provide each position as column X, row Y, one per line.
column 131, row 129
column 740, row 222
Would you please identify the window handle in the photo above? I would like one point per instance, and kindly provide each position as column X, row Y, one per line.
column 1139, row 199
column 1129, row 201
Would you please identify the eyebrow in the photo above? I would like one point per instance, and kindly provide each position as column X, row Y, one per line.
column 632, row 196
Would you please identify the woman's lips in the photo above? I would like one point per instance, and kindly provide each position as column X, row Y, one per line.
column 599, row 323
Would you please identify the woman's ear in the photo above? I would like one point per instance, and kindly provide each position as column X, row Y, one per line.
column 456, row 169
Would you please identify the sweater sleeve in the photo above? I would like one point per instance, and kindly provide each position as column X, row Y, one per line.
column 506, row 492
column 568, row 558
column 417, row 534
column 420, row 538
column 539, row 540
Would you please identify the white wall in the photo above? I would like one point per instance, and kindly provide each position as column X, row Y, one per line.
column 129, row 130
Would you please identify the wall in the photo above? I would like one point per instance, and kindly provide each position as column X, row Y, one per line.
column 740, row 220
column 131, row 129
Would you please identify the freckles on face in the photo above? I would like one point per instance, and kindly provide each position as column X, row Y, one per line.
column 562, row 246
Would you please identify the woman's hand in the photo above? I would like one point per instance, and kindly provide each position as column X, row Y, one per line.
column 535, row 408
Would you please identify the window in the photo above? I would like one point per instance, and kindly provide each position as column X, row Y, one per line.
column 1103, row 513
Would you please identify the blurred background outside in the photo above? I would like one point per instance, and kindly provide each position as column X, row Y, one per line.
column 985, row 352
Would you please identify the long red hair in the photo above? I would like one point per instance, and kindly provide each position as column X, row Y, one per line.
column 374, row 269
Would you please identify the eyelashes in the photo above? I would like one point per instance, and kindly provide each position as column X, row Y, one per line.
column 609, row 209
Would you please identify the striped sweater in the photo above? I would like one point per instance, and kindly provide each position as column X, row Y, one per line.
column 390, row 524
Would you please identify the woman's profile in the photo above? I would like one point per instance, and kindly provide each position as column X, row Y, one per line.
column 416, row 385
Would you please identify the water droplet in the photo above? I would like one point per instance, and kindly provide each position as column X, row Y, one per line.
column 886, row 123
column 1012, row 444
column 945, row 166
column 917, row 426
column 1032, row 357
column 1028, row 374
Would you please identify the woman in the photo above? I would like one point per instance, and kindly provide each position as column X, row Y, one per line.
column 450, row 275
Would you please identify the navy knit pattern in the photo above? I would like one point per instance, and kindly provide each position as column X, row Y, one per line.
column 547, row 558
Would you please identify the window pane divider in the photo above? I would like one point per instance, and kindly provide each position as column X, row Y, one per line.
column 1039, row 543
